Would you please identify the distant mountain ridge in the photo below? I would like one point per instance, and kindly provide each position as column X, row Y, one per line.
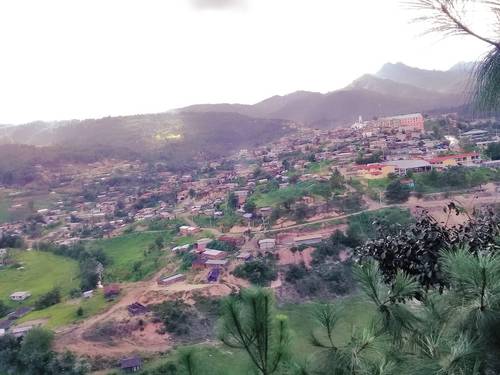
column 453, row 80
column 394, row 89
column 221, row 128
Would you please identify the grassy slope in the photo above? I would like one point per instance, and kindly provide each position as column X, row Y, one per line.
column 127, row 250
column 226, row 361
column 65, row 313
column 42, row 272
column 279, row 196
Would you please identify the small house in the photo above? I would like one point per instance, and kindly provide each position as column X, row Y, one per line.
column 88, row 294
column 267, row 244
column 308, row 240
column 216, row 263
column 213, row 275
column 20, row 296
column 171, row 279
column 214, row 254
column 137, row 308
column 131, row 364
column 187, row 230
column 181, row 248
column 202, row 243
column 111, row 291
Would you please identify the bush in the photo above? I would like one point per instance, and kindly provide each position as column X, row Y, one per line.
column 221, row 245
column 51, row 298
column 260, row 271
column 295, row 272
column 75, row 293
column 176, row 316
column 397, row 192
column 4, row 309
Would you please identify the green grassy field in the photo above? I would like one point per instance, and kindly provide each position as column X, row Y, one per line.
column 64, row 313
column 276, row 197
column 380, row 183
column 130, row 260
column 218, row 359
column 42, row 272
column 319, row 167
column 185, row 240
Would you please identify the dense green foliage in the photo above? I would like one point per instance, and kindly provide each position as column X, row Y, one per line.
column 249, row 323
column 396, row 192
column 177, row 316
column 454, row 178
column 221, row 245
column 4, row 309
column 33, row 355
column 11, row 240
column 493, row 151
column 260, row 271
column 48, row 299
column 368, row 225
column 416, row 249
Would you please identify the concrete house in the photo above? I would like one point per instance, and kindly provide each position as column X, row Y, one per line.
column 20, row 296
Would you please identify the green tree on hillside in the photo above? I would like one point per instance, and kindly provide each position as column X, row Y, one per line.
column 33, row 355
column 232, row 201
column 396, row 192
column 337, row 181
column 493, row 151
column 250, row 323
column 4, row 309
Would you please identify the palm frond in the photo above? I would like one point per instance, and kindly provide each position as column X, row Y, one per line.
column 486, row 90
column 449, row 17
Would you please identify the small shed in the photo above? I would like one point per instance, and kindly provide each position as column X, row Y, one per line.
column 308, row 239
column 214, row 254
column 20, row 296
column 111, row 291
column 131, row 364
column 168, row 280
column 267, row 244
column 213, row 275
column 88, row 294
column 137, row 308
column 202, row 243
column 217, row 263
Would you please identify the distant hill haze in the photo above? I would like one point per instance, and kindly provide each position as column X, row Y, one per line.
column 394, row 89
column 221, row 128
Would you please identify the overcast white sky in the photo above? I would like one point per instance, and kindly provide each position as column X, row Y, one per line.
column 91, row 58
